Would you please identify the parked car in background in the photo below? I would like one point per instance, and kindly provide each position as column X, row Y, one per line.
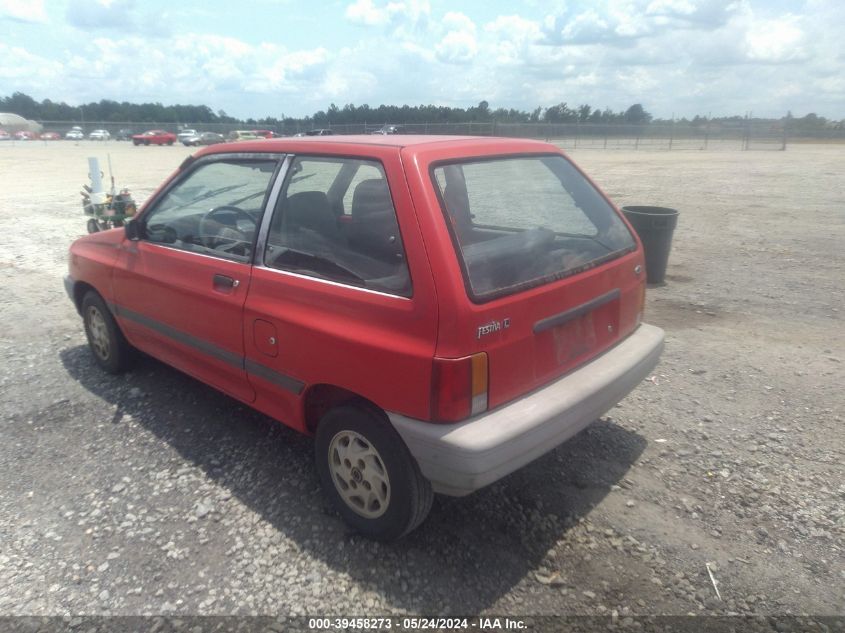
column 183, row 134
column 99, row 135
column 436, row 313
column 75, row 134
column 242, row 135
column 389, row 129
column 124, row 134
column 264, row 133
column 50, row 136
column 204, row 138
column 319, row 132
column 5, row 136
column 26, row 135
column 154, row 137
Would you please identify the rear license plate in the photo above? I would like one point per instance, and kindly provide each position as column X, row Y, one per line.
column 586, row 335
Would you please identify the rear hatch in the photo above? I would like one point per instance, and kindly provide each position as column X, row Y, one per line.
column 552, row 274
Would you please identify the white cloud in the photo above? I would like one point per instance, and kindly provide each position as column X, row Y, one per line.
column 22, row 68
column 365, row 12
column 670, row 7
column 345, row 86
column 285, row 70
column 456, row 21
column 512, row 36
column 682, row 56
column 403, row 12
column 458, row 45
column 23, row 10
column 102, row 14
column 191, row 68
column 775, row 41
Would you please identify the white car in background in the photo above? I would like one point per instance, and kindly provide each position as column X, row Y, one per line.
column 99, row 135
column 185, row 134
column 75, row 134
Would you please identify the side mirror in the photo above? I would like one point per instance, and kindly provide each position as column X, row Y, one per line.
column 133, row 230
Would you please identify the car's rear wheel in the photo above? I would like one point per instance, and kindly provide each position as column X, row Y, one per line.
column 369, row 474
column 111, row 350
column 93, row 226
column 134, row 142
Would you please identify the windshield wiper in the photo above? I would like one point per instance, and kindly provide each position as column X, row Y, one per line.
column 237, row 202
column 209, row 194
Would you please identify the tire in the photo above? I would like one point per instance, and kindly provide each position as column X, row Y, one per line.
column 136, row 143
column 110, row 348
column 383, row 503
column 93, row 226
column 170, row 142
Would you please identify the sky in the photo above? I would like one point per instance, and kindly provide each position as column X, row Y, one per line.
column 291, row 57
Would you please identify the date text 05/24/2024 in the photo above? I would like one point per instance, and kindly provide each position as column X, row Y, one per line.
column 491, row 624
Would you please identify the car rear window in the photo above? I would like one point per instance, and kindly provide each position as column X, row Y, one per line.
column 522, row 221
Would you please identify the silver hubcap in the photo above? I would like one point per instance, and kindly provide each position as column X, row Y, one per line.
column 99, row 333
column 359, row 474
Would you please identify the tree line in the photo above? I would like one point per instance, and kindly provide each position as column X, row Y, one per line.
column 107, row 110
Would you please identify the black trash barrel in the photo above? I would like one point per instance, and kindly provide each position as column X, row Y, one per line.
column 655, row 226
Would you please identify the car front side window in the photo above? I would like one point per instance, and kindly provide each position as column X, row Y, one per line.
column 215, row 210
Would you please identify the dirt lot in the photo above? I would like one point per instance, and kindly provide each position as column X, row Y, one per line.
column 151, row 493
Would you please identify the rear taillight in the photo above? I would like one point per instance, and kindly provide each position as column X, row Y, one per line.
column 459, row 387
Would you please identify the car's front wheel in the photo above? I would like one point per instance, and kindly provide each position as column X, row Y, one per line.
column 110, row 348
column 369, row 474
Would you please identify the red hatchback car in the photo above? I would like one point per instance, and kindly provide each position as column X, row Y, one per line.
column 436, row 311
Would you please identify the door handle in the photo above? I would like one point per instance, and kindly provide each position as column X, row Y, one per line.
column 223, row 282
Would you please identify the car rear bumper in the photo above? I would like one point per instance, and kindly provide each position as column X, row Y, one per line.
column 461, row 458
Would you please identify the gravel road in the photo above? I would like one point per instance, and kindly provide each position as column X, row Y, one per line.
column 151, row 493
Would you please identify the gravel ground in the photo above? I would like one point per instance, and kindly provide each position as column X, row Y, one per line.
column 152, row 494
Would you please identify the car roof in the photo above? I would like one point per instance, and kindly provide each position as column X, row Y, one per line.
column 361, row 142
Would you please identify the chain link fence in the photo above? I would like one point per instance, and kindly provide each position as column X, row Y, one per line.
column 739, row 135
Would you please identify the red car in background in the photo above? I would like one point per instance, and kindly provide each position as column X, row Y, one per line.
column 264, row 133
column 51, row 136
column 154, row 137
column 26, row 135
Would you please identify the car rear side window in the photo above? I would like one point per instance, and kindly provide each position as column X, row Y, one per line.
column 522, row 221
column 313, row 233
column 215, row 210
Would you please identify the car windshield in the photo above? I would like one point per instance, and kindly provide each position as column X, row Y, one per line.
column 522, row 221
